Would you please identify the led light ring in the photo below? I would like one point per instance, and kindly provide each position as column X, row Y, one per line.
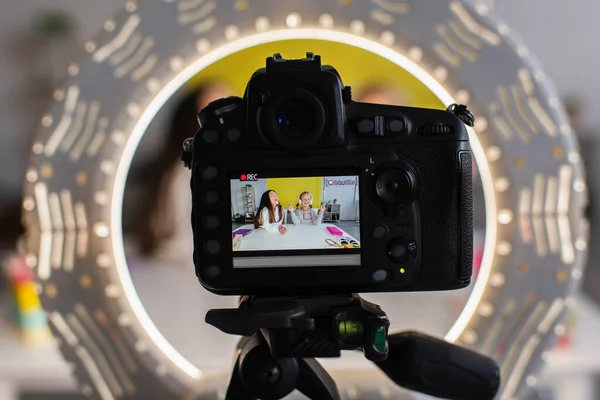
column 527, row 155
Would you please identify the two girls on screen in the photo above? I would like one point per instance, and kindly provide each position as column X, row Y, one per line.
column 270, row 213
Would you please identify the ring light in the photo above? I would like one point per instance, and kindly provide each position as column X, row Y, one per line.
column 527, row 155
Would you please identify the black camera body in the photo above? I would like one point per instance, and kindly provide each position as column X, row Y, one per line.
column 413, row 183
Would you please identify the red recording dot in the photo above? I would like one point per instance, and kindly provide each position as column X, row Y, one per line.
column 243, row 177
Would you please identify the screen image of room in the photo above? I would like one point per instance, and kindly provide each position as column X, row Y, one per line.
column 335, row 202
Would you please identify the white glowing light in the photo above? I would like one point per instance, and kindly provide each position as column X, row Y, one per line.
column 505, row 216
column 415, row 54
column 503, row 248
column 441, row 74
column 47, row 120
column 293, row 20
column 559, row 330
column 576, row 274
column 90, row 47
column 87, row 390
column 493, row 153
column 262, row 24
column 481, row 124
column 31, row 175
column 503, row 29
column 131, row 298
column 141, row 346
column 101, row 198
column 553, row 313
column 111, row 290
column 28, row 203
column 463, row 97
column 469, row 337
column 176, row 63
column 73, row 69
column 523, row 51
column 203, row 46
column 486, row 309
column 37, row 148
column 546, row 356
column 118, row 137
column 501, row 184
column 133, row 109
column 104, row 260
column 385, row 391
column 109, row 25
column 581, row 244
column 232, row 32
column 482, row 9
column 326, row 21
column 539, row 75
column 101, row 229
column 579, row 185
column 497, row 279
column 31, row 260
column 531, row 381
column 108, row 167
column 574, row 157
column 130, row 6
column 387, row 37
column 124, row 319
column 357, row 27
column 153, row 85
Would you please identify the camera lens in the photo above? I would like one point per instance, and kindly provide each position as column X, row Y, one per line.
column 294, row 118
column 394, row 185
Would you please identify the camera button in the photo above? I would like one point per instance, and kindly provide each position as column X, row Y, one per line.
column 212, row 271
column 211, row 197
column 379, row 232
column 398, row 250
column 211, row 222
column 396, row 125
column 212, row 247
column 380, row 275
column 209, row 173
column 366, row 126
column 210, row 137
column 394, row 185
column 233, row 135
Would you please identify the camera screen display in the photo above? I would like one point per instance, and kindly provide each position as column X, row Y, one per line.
column 295, row 220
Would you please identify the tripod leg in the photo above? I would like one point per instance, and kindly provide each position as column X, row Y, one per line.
column 236, row 389
column 314, row 382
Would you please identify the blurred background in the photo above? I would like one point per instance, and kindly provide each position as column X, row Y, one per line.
column 37, row 42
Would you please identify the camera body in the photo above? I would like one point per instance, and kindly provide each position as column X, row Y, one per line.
column 410, row 168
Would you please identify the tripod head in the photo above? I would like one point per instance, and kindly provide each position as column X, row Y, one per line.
column 282, row 336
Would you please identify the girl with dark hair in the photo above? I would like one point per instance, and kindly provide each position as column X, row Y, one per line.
column 269, row 215
column 161, row 222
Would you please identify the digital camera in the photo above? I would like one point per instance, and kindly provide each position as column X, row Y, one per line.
column 299, row 190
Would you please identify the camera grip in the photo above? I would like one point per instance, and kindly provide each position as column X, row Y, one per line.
column 445, row 201
column 465, row 215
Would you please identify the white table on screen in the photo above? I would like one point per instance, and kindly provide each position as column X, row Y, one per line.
column 298, row 237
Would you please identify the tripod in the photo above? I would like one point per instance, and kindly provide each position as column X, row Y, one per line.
column 282, row 337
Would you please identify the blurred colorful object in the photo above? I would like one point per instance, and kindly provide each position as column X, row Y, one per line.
column 24, row 306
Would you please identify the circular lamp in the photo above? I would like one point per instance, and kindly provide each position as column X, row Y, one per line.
column 526, row 152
